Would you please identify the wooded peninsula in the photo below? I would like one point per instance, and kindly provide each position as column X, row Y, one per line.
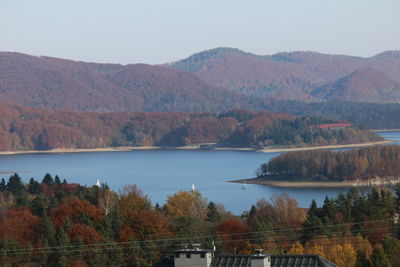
column 24, row 128
column 380, row 163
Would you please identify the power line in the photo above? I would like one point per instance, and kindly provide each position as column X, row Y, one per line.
column 52, row 249
column 275, row 230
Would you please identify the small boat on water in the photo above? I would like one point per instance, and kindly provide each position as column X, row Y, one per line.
column 98, row 183
column 244, row 186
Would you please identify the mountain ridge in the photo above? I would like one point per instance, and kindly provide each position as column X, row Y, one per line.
column 214, row 80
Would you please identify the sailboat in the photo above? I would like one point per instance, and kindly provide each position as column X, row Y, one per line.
column 98, row 183
column 193, row 188
column 244, row 186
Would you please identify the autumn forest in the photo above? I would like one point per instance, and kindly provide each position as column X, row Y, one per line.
column 24, row 128
column 51, row 222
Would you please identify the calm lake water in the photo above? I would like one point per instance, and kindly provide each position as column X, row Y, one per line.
column 163, row 172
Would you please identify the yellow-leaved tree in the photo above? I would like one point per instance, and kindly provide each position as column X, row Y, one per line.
column 186, row 203
column 296, row 249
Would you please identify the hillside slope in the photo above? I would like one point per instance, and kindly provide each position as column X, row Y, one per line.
column 80, row 86
column 285, row 75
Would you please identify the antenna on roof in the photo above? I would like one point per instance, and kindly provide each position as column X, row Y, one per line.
column 258, row 251
column 196, row 246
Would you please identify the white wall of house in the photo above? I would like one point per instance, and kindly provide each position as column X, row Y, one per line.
column 190, row 259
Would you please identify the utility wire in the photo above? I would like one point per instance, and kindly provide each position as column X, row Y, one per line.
column 206, row 236
column 92, row 247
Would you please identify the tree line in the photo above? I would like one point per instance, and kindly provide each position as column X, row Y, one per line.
column 325, row 165
column 55, row 223
column 23, row 128
column 366, row 115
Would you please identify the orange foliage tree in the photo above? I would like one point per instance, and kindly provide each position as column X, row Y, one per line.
column 233, row 234
column 85, row 233
column 19, row 224
column 74, row 208
column 138, row 216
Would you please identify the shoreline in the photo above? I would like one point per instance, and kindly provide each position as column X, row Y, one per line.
column 385, row 130
column 268, row 150
column 286, row 184
column 191, row 147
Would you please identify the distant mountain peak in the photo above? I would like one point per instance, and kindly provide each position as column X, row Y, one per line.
column 388, row 54
column 191, row 63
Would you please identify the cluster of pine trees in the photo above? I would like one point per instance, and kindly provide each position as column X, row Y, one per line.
column 326, row 165
column 55, row 223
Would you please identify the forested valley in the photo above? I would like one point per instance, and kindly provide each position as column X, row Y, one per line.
column 55, row 223
column 23, row 128
column 325, row 165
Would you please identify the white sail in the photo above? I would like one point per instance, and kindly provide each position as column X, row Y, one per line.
column 244, row 186
column 98, row 183
column 193, row 188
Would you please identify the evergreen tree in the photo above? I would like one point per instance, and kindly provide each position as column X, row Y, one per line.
column 251, row 218
column 379, row 258
column 57, row 180
column 362, row 260
column 313, row 224
column 40, row 205
column 34, row 187
column 15, row 185
column 48, row 179
column 212, row 213
column 48, row 230
column 3, row 185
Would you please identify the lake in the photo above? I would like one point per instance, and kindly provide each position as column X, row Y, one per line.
column 161, row 173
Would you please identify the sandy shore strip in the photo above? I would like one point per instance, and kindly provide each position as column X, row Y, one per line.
column 268, row 150
column 102, row 149
column 385, row 130
column 262, row 181
column 191, row 147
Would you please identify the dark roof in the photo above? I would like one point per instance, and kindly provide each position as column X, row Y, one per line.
column 166, row 261
column 231, row 260
column 300, row 261
column 244, row 261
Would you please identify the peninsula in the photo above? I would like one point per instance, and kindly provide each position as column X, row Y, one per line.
column 375, row 165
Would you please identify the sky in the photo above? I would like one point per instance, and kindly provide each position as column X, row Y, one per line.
column 156, row 32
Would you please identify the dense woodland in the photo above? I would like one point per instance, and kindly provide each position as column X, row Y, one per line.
column 54, row 223
column 366, row 115
column 23, row 128
column 214, row 81
column 325, row 165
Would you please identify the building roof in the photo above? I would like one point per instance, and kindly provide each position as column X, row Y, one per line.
column 166, row 261
column 300, row 261
column 334, row 125
column 231, row 260
column 245, row 261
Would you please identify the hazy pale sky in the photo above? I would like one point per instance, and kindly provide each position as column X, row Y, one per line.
column 150, row 31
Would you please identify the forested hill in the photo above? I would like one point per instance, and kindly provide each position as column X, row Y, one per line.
column 357, row 164
column 23, row 128
column 301, row 75
column 215, row 80
column 218, row 80
column 80, row 86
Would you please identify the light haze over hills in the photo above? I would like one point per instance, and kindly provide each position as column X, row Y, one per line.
column 214, row 80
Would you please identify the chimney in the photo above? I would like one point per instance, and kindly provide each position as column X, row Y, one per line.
column 192, row 257
column 260, row 260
